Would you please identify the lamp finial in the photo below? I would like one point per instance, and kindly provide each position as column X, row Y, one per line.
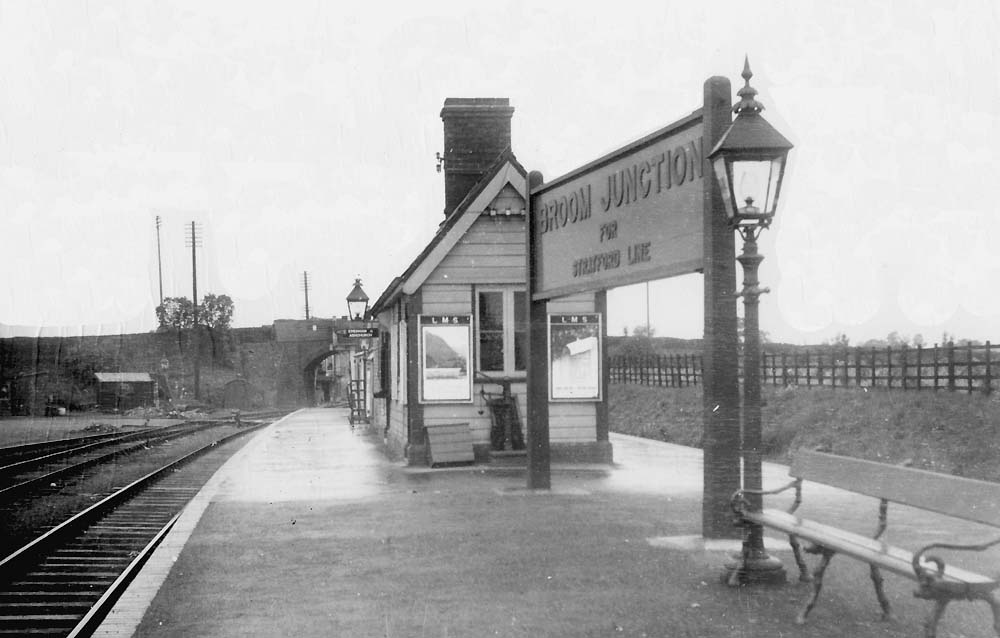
column 747, row 94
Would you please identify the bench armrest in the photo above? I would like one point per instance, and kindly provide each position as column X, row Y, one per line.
column 927, row 577
column 740, row 504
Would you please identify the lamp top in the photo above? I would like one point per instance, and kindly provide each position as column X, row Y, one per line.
column 748, row 94
column 357, row 293
column 750, row 132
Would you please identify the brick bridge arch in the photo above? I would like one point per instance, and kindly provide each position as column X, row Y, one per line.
column 304, row 344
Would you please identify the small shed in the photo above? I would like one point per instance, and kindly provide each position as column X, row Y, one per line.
column 120, row 391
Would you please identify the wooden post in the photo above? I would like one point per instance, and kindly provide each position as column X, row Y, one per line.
column 988, row 380
column 903, row 363
column 951, row 366
column 808, row 370
column 968, row 356
column 937, row 372
column 857, row 367
column 847, row 376
column 888, row 363
column 874, row 378
column 920, row 367
column 539, row 454
column 833, row 369
column 721, row 397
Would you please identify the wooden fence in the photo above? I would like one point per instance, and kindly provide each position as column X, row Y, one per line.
column 669, row 370
column 965, row 368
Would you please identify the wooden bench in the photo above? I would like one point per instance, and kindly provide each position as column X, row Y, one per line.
column 957, row 497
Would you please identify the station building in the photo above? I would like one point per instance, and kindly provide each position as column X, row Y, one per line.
column 453, row 325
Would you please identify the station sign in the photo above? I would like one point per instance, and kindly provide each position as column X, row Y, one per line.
column 358, row 333
column 633, row 215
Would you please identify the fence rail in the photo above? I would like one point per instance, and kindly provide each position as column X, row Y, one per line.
column 964, row 368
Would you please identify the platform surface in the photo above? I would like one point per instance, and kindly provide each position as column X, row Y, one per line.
column 310, row 530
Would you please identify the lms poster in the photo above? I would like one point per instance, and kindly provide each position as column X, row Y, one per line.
column 575, row 357
column 445, row 353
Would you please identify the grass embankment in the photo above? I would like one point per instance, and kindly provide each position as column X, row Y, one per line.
column 947, row 432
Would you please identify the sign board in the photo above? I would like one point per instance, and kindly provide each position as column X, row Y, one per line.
column 631, row 216
column 445, row 356
column 358, row 333
column 575, row 357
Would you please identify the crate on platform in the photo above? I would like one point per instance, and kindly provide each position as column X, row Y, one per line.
column 449, row 443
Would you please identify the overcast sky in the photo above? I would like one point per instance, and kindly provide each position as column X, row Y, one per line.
column 301, row 137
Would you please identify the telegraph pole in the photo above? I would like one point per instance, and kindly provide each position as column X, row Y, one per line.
column 194, row 241
column 159, row 259
column 305, row 287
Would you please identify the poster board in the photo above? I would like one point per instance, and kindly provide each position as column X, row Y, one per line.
column 445, row 358
column 575, row 357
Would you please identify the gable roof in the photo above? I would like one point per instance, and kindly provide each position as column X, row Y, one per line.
column 505, row 169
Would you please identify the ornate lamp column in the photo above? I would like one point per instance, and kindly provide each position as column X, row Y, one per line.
column 749, row 163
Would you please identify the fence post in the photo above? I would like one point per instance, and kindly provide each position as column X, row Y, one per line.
column 808, row 371
column 857, row 366
column 968, row 355
column 988, row 381
column 903, row 364
column 951, row 366
column 888, row 360
column 920, row 367
column 874, row 378
column 847, row 357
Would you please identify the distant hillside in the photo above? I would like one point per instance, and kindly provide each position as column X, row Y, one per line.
column 651, row 345
column 440, row 355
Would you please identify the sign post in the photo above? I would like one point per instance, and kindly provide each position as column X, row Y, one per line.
column 648, row 210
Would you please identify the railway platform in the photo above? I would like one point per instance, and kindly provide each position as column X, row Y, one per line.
column 310, row 530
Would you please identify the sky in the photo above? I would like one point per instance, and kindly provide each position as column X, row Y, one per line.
column 301, row 136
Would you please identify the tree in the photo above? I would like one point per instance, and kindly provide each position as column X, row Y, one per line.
column 840, row 341
column 216, row 314
column 643, row 331
column 176, row 313
column 895, row 340
column 216, row 311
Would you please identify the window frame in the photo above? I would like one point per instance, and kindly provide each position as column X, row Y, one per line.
column 509, row 323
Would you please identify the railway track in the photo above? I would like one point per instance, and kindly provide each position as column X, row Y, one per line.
column 21, row 478
column 64, row 582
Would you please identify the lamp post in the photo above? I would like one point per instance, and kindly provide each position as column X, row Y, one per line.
column 749, row 163
column 357, row 302
column 357, row 308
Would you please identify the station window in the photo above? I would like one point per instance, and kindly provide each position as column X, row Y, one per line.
column 502, row 330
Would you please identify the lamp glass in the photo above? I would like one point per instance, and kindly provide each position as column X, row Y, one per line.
column 753, row 179
column 357, row 309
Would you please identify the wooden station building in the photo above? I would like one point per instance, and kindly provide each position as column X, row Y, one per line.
column 452, row 372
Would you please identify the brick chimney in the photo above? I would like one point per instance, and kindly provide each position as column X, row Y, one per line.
column 476, row 131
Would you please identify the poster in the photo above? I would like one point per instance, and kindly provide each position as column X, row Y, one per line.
column 445, row 353
column 575, row 357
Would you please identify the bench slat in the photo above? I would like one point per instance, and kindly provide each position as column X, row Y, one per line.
column 894, row 559
column 956, row 496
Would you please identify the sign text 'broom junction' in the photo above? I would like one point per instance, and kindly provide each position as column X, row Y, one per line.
column 621, row 187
